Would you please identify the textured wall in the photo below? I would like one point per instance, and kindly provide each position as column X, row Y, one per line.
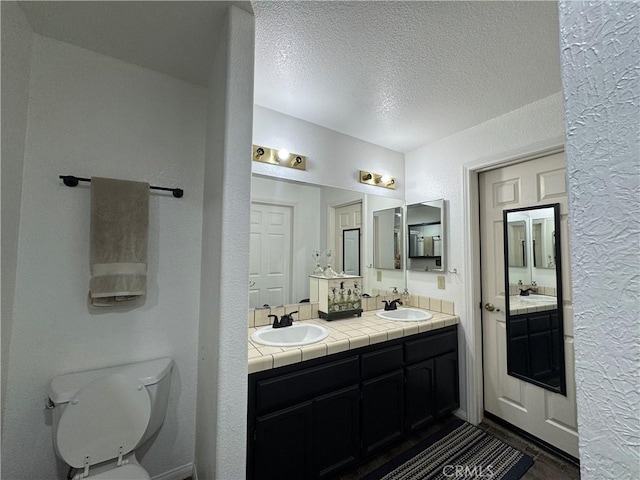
column 93, row 115
column 16, row 66
column 222, row 354
column 600, row 64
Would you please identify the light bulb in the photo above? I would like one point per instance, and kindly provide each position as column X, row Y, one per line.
column 283, row 154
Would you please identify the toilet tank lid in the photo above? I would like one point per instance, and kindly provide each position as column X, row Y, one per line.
column 64, row 387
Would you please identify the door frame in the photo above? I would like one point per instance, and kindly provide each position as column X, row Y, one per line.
column 472, row 275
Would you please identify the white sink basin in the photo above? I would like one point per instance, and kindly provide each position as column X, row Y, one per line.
column 538, row 298
column 296, row 334
column 404, row 315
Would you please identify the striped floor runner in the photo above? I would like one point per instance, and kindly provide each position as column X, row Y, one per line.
column 459, row 451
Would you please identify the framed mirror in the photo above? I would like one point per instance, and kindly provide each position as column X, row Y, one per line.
column 388, row 227
column 426, row 238
column 533, row 273
column 351, row 251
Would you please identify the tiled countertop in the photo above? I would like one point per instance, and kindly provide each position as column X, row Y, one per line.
column 519, row 305
column 344, row 334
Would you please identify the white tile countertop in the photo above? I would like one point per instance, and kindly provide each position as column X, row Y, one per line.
column 519, row 305
column 344, row 334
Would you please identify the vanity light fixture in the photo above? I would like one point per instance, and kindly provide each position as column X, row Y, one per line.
column 281, row 157
column 377, row 180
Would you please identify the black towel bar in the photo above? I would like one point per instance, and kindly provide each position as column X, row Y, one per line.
column 71, row 181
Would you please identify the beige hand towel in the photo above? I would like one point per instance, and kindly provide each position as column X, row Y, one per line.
column 119, row 237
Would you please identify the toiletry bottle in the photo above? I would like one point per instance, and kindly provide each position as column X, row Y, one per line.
column 405, row 298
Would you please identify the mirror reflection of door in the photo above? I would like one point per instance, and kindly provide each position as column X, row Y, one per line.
column 347, row 217
column 351, row 251
column 269, row 254
column 541, row 412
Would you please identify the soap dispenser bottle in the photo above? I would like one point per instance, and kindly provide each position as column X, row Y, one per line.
column 406, row 297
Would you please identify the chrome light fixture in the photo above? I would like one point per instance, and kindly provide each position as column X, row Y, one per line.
column 377, row 180
column 281, row 157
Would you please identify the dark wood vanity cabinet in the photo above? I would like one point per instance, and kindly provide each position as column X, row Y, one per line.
column 534, row 348
column 314, row 419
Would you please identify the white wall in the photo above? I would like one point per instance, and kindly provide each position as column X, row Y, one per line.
column 436, row 171
column 601, row 54
column 221, row 431
column 91, row 115
column 16, row 66
column 305, row 200
column 333, row 159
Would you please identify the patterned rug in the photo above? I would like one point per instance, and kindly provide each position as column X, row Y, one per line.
column 459, row 451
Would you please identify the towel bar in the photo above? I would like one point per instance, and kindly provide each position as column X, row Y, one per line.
column 72, row 181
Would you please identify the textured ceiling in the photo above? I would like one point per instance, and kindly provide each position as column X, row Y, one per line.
column 397, row 74
column 403, row 74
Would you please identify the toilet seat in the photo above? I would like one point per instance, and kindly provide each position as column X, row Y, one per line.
column 125, row 472
column 105, row 420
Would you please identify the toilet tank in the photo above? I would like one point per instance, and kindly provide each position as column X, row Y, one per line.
column 154, row 374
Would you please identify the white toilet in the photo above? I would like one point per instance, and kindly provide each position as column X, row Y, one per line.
column 101, row 416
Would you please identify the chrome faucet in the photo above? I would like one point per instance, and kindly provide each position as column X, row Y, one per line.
column 525, row 292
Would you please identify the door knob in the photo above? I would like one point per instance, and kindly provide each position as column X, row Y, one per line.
column 489, row 306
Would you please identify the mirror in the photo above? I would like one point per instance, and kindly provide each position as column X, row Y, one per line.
column 426, row 241
column 518, row 253
column 388, row 227
column 535, row 335
column 295, row 224
column 351, row 251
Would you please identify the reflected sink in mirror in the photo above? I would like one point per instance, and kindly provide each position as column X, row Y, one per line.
column 295, row 335
column 538, row 298
column 404, row 315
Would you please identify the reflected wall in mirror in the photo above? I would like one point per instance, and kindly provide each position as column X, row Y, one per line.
column 426, row 240
column 292, row 220
column 533, row 273
column 388, row 227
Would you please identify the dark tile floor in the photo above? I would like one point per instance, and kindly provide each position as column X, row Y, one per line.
column 546, row 466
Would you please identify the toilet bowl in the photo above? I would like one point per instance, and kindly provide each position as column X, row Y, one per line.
column 100, row 417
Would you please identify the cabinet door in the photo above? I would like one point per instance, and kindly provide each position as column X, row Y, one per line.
column 336, row 430
column 283, row 444
column 382, row 410
column 446, row 383
column 419, row 394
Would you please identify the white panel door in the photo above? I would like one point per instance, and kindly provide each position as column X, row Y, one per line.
column 347, row 217
column 547, row 415
column 270, row 255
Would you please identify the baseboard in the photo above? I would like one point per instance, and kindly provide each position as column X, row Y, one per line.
column 179, row 473
column 461, row 414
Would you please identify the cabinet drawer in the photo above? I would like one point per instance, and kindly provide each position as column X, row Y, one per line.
column 290, row 389
column 381, row 361
column 432, row 346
